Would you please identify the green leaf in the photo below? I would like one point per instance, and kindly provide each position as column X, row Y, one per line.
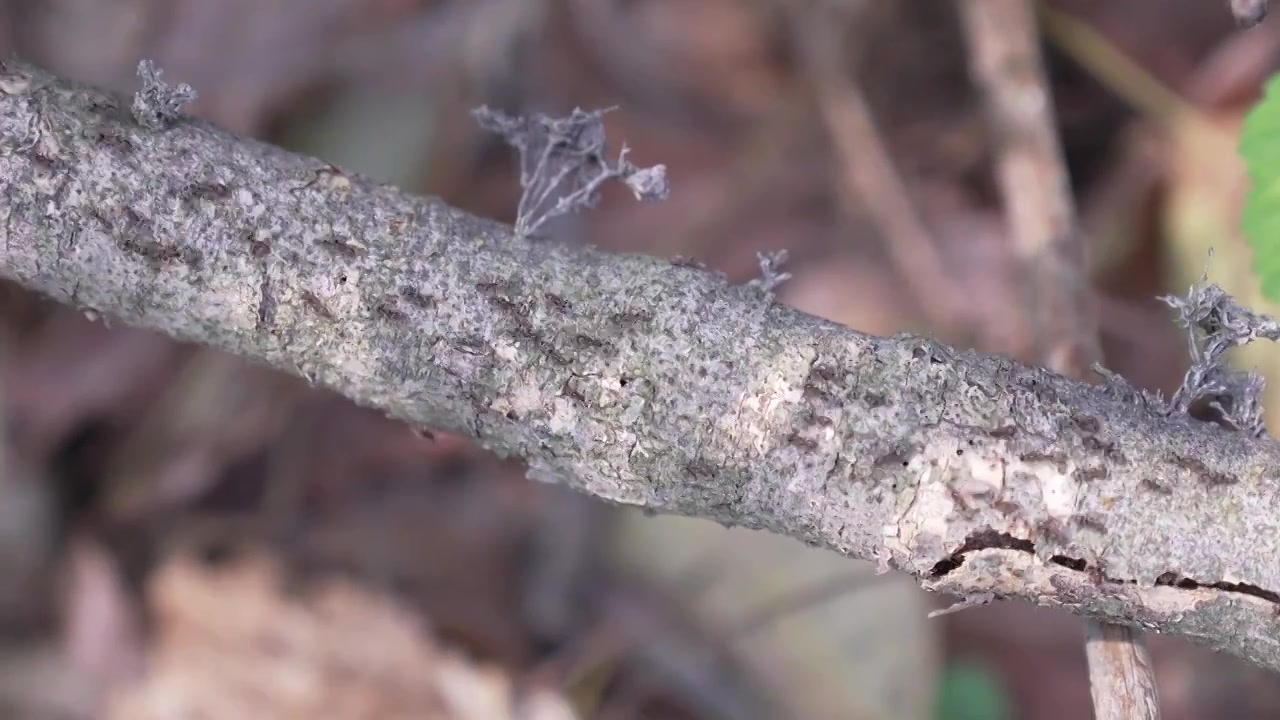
column 971, row 691
column 1260, row 148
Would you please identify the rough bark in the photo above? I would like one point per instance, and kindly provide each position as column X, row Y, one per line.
column 643, row 382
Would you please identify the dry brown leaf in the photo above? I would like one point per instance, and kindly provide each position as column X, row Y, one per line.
column 232, row 644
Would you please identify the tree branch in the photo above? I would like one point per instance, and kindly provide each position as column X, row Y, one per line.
column 643, row 382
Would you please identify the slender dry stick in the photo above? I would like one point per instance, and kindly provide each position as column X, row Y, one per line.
column 870, row 176
column 801, row 600
column 1007, row 67
column 1129, row 81
column 1113, row 69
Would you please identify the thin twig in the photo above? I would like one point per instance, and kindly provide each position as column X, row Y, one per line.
column 870, row 176
column 802, row 599
column 1129, row 81
column 1121, row 677
column 1007, row 67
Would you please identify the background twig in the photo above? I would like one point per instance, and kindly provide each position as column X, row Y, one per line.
column 1036, row 190
column 868, row 172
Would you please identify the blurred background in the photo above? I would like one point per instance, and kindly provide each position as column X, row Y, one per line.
column 184, row 535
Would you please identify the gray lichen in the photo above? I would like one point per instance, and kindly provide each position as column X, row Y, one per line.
column 158, row 104
column 1216, row 323
column 771, row 274
column 563, row 164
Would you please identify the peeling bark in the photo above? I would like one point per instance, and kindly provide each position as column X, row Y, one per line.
column 645, row 382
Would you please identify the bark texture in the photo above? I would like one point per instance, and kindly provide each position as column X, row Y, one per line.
column 644, row 382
